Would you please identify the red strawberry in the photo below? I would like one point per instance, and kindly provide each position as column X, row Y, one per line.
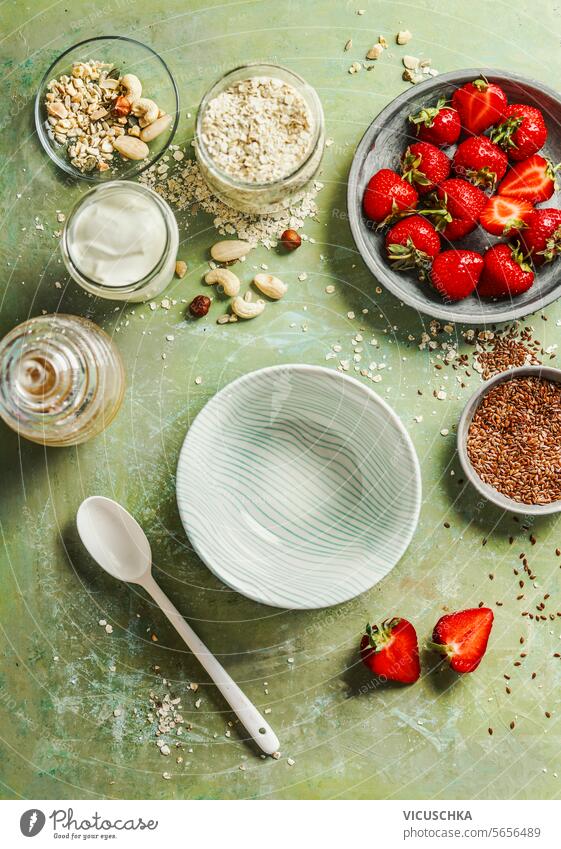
column 412, row 243
column 480, row 104
column 532, row 179
column 541, row 235
column 523, row 132
column 425, row 165
column 438, row 124
column 504, row 272
column 502, row 214
column 463, row 204
column 386, row 194
column 480, row 161
column 455, row 273
column 391, row 650
column 463, row 637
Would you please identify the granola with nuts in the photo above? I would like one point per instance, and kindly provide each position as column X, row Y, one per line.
column 94, row 112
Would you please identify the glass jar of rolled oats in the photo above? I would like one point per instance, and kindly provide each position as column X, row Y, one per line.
column 260, row 137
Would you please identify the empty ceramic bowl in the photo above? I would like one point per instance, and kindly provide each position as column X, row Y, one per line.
column 127, row 56
column 382, row 147
column 298, row 486
column 487, row 491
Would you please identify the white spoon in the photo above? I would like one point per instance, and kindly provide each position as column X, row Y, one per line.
column 117, row 542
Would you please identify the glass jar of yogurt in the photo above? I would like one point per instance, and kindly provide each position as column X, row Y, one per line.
column 62, row 380
column 120, row 242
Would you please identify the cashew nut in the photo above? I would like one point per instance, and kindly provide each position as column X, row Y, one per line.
column 132, row 86
column 145, row 110
column 247, row 309
column 270, row 286
column 225, row 278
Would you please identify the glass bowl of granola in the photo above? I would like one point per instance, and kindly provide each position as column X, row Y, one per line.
column 107, row 108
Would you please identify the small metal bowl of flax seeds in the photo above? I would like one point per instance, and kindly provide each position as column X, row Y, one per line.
column 509, row 440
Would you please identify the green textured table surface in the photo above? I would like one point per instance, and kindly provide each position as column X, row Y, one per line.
column 62, row 676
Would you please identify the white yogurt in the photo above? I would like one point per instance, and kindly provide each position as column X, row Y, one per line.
column 119, row 235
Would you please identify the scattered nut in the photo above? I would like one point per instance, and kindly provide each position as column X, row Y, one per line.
column 411, row 62
column 57, row 109
column 180, row 268
column 132, row 87
column 270, row 286
column 291, row 240
column 156, row 128
column 243, row 308
column 145, row 110
column 355, row 68
column 122, row 107
column 199, row 306
column 403, row 36
column 225, row 278
column 131, row 148
column 229, row 250
column 375, row 51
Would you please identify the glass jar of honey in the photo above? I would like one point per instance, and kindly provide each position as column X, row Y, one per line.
column 62, row 380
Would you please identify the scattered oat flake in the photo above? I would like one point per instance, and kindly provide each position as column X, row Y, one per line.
column 290, row 761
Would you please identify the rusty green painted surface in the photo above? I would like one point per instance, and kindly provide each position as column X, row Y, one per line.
column 61, row 675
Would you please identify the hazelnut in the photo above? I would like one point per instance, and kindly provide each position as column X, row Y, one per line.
column 199, row 306
column 291, row 240
column 121, row 107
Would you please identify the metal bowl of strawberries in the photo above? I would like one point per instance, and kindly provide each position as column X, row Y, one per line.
column 452, row 197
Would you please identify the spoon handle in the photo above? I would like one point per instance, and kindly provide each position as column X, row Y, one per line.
column 252, row 720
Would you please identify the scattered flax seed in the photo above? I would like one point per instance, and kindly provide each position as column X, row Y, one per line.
column 548, row 714
column 512, row 725
column 514, row 440
column 490, row 730
column 508, row 350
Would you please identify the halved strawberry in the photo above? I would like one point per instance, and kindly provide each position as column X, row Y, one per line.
column 463, row 637
column 480, row 104
column 505, row 272
column 533, row 179
column 454, row 274
column 438, row 124
column 387, row 194
column 523, row 132
column 501, row 215
column 412, row 243
column 424, row 165
column 541, row 236
column 392, row 651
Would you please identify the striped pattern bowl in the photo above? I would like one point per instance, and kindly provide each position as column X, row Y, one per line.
column 298, row 486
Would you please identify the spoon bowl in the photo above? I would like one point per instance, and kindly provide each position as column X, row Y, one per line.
column 114, row 539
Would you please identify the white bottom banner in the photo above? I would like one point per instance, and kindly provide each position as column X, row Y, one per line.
column 272, row 823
